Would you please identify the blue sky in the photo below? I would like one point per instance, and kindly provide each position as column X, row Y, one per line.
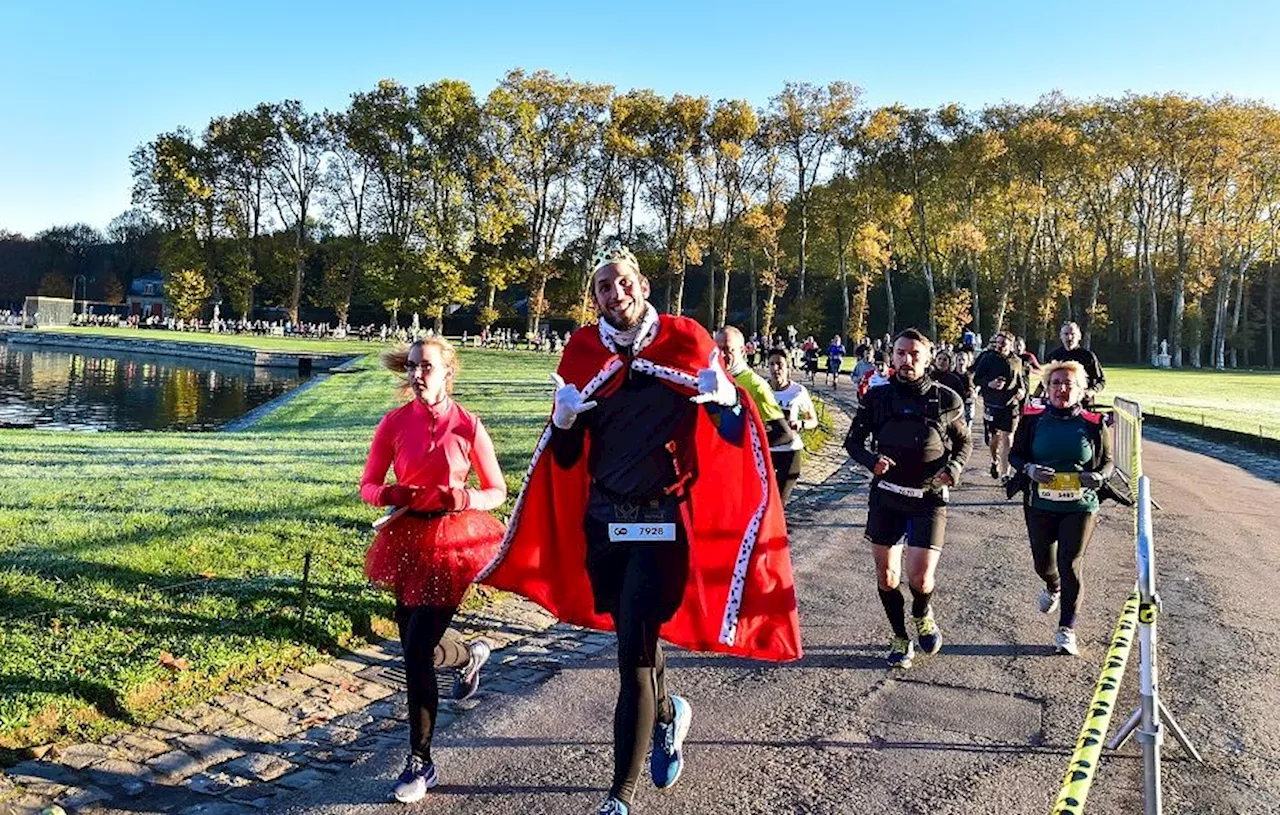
column 83, row 83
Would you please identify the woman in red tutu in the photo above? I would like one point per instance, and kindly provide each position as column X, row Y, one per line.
column 429, row 553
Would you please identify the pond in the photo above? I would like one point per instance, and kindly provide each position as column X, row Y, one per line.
column 85, row 390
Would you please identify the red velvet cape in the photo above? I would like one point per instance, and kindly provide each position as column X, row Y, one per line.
column 740, row 596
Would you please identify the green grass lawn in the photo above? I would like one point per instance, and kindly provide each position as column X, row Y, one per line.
column 116, row 548
column 1245, row 401
column 267, row 343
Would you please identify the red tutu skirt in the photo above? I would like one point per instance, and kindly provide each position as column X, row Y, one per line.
column 431, row 560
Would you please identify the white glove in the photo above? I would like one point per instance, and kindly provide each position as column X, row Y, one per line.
column 714, row 385
column 569, row 403
column 1091, row 480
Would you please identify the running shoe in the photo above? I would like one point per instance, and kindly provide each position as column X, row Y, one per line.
column 901, row 652
column 612, row 806
column 419, row 776
column 468, row 680
column 1065, row 642
column 927, row 633
column 1049, row 600
column 666, row 760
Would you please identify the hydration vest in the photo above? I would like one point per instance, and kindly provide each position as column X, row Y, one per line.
column 896, row 426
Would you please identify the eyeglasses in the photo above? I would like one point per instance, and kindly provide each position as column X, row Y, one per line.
column 410, row 367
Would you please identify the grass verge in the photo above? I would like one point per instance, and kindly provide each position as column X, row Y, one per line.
column 142, row 571
column 1245, row 402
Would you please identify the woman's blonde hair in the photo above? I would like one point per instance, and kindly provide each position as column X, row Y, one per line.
column 395, row 359
column 1075, row 369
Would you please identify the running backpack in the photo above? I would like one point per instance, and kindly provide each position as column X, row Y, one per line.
column 891, row 407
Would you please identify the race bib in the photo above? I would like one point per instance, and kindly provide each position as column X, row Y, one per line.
column 898, row 489
column 643, row 522
column 637, row 533
column 1063, row 487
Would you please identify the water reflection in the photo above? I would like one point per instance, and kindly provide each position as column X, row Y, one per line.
column 73, row 390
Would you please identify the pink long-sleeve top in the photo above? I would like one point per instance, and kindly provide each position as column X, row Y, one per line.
column 429, row 447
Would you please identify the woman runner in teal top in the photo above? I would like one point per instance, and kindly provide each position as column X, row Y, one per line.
column 1065, row 451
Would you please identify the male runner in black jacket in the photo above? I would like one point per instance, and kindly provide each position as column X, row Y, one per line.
column 921, row 443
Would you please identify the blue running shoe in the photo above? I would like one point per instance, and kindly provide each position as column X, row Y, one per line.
column 612, row 806
column 901, row 653
column 927, row 633
column 419, row 776
column 666, row 761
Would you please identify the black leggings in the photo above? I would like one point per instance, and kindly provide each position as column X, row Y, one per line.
column 422, row 636
column 786, row 468
column 1058, row 542
column 639, row 586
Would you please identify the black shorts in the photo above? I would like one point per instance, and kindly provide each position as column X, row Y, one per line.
column 786, row 468
column 1001, row 418
column 891, row 517
column 654, row 570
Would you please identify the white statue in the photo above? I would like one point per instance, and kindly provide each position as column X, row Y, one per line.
column 1164, row 348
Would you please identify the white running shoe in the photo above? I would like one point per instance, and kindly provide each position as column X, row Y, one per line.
column 419, row 776
column 1065, row 642
column 468, row 679
column 1049, row 600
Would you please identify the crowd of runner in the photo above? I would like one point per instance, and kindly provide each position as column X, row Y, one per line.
column 616, row 503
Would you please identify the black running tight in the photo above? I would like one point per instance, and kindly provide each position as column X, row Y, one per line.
column 1058, row 543
column 422, row 636
column 642, row 691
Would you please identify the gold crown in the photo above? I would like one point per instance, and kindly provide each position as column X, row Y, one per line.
column 615, row 252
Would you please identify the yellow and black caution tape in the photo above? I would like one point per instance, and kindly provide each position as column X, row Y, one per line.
column 1084, row 761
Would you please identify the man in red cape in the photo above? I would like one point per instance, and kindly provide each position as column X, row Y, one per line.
column 648, row 429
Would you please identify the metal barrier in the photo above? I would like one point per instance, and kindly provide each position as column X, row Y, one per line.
column 1152, row 716
column 1127, row 450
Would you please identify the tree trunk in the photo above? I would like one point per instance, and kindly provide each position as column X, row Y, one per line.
column 973, row 291
column 677, row 284
column 710, row 265
column 1024, row 296
column 295, row 299
column 724, row 289
column 537, row 296
column 1006, row 284
column 1246, row 344
column 1153, row 305
column 1196, row 340
column 769, row 309
column 1235, row 318
column 1217, row 351
column 804, row 236
column 1177, row 312
column 755, row 294
column 1091, row 304
column 348, row 290
column 888, row 291
column 842, row 272
column 857, row 325
column 1136, row 310
column 1270, row 305
column 926, row 266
